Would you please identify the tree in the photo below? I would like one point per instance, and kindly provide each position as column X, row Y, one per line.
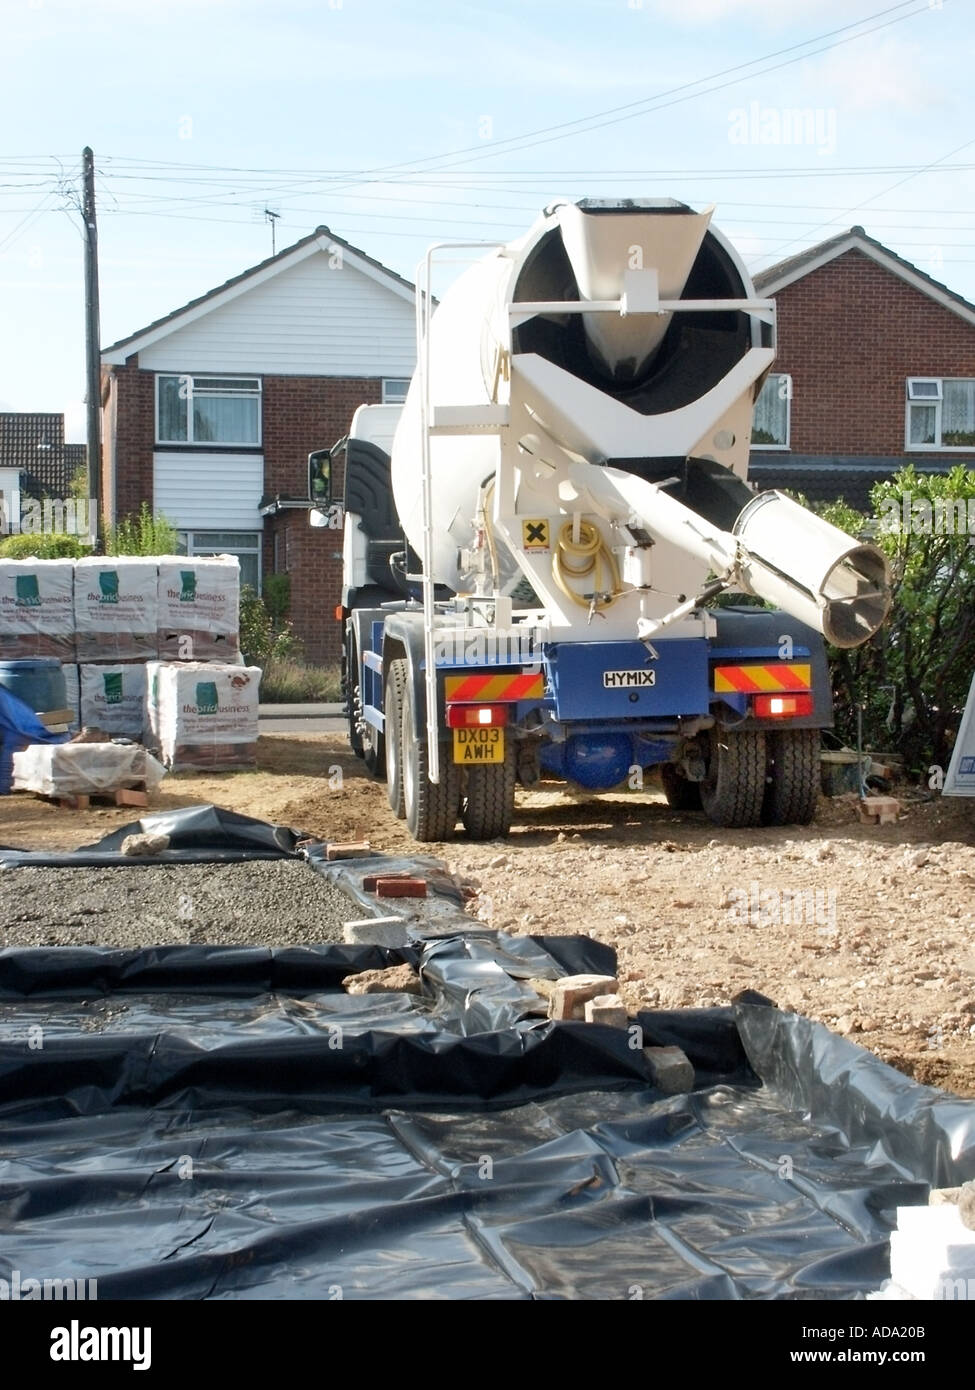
column 912, row 677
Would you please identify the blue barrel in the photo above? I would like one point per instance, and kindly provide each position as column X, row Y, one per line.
column 39, row 683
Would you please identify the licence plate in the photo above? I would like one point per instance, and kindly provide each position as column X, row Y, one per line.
column 472, row 746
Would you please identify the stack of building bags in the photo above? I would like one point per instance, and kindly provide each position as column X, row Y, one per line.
column 201, row 703
column 115, row 608
column 150, row 647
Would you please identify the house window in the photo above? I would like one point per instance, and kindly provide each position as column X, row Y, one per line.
column 395, row 389
column 223, row 410
column 246, row 545
column 940, row 412
column 770, row 427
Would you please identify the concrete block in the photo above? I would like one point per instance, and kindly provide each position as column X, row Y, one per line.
column 670, row 1069
column 348, row 849
column 607, row 1009
column 569, row 997
column 376, row 931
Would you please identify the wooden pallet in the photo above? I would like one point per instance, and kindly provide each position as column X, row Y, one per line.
column 122, row 796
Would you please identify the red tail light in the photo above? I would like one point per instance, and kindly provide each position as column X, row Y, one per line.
column 782, row 706
column 476, row 716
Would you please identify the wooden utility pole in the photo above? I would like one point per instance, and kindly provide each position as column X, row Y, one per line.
column 92, row 350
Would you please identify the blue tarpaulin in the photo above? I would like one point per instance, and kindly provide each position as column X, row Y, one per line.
column 19, row 726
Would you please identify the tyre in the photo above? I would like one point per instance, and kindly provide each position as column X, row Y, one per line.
column 733, row 790
column 489, row 798
column 681, row 794
column 393, row 705
column 792, row 789
column 430, row 808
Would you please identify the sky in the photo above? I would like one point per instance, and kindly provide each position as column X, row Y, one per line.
column 397, row 125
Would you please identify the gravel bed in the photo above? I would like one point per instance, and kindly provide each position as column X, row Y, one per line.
column 258, row 903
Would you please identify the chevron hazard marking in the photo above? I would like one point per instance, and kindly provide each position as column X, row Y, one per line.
column 762, row 678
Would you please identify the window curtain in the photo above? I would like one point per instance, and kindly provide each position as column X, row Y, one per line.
column 958, row 411
column 172, row 409
column 224, row 419
column 771, row 414
column 924, row 421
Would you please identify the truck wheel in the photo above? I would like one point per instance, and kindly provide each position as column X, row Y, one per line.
column 794, row 774
column 430, row 807
column 489, row 800
column 350, row 689
column 734, row 788
column 393, row 706
column 681, row 794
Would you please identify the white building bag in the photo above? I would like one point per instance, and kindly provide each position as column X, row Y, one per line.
column 113, row 698
column 203, row 714
column 37, row 609
column 198, row 607
column 116, row 608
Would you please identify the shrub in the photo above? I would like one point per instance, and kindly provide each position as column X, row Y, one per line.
column 144, row 534
column 43, row 546
column 256, row 634
column 273, row 646
column 292, row 682
column 277, row 598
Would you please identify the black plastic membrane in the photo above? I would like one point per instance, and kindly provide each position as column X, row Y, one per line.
column 227, row 1123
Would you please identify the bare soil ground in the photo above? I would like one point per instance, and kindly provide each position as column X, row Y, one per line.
column 869, row 930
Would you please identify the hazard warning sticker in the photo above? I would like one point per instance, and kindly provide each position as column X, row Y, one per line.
column 534, row 534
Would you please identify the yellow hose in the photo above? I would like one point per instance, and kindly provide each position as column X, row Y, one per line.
column 579, row 559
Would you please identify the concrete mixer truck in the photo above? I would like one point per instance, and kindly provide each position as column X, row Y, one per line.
column 536, row 543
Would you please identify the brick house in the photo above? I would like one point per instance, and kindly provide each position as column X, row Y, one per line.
column 35, row 462
column 209, row 414
column 875, row 368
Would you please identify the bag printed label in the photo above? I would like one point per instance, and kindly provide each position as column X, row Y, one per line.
column 206, row 697
column 28, row 594
column 108, row 586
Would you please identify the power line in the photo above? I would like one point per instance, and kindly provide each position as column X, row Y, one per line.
column 660, row 105
column 23, row 224
column 614, row 115
column 866, row 201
